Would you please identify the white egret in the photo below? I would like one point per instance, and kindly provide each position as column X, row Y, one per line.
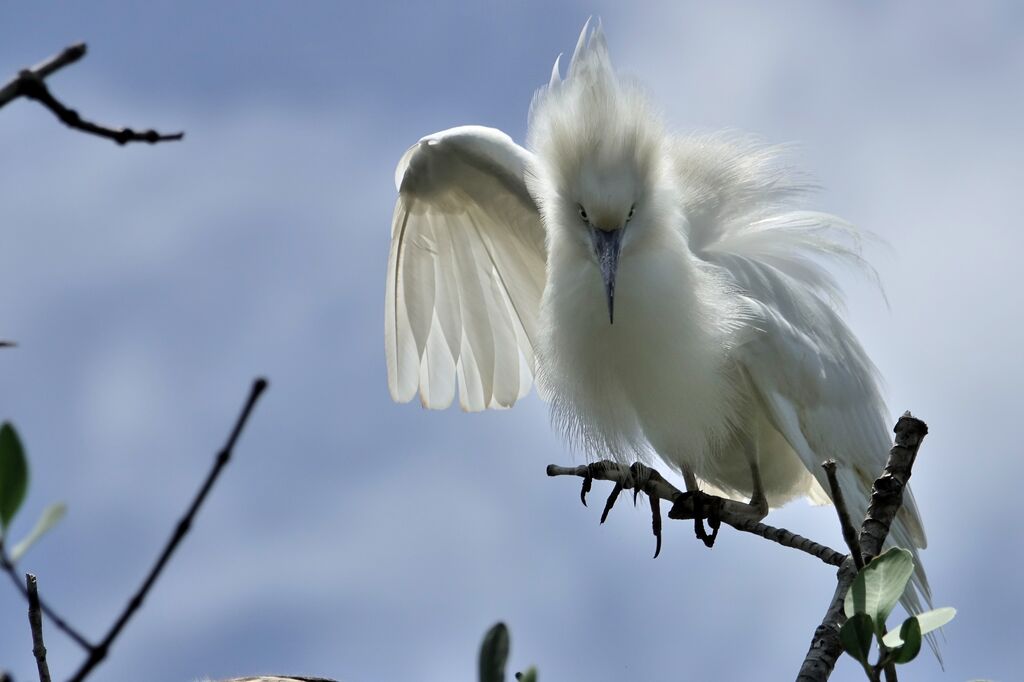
column 667, row 293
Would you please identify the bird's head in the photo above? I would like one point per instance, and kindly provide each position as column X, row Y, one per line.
column 600, row 161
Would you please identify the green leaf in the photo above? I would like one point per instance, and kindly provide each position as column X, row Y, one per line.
column 910, row 634
column 856, row 635
column 494, row 654
column 935, row 619
column 880, row 584
column 51, row 515
column 529, row 676
column 13, row 475
column 928, row 621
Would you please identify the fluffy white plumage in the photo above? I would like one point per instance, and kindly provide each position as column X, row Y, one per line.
column 726, row 356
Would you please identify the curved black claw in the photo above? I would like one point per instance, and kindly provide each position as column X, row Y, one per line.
column 656, row 522
column 611, row 500
column 638, row 471
column 698, row 506
column 698, row 519
column 706, row 507
column 715, row 521
column 588, row 482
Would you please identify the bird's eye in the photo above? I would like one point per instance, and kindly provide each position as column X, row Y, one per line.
column 632, row 210
column 583, row 212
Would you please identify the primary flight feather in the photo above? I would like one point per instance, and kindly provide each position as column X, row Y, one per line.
column 666, row 293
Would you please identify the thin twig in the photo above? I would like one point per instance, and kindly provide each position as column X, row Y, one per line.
column 886, row 498
column 99, row 652
column 8, row 567
column 35, row 621
column 69, row 55
column 849, row 532
column 736, row 514
column 29, row 83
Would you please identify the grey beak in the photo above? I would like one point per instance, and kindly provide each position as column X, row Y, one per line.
column 607, row 245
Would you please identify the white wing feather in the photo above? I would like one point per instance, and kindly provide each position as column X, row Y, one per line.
column 465, row 273
column 817, row 385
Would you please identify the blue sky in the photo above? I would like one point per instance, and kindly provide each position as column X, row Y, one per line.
column 363, row 540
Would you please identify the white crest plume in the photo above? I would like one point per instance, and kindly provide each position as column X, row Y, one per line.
column 592, row 117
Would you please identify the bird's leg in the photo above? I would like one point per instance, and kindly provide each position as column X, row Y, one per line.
column 700, row 509
column 709, row 505
column 690, row 479
column 758, row 501
column 757, row 508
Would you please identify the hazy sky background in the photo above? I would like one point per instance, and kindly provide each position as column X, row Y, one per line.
column 363, row 540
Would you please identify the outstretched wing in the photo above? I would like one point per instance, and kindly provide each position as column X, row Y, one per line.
column 465, row 273
column 816, row 383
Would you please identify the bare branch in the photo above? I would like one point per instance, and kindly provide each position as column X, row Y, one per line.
column 786, row 538
column 849, row 532
column 887, row 492
column 8, row 567
column 35, row 621
column 825, row 645
column 29, row 84
column 99, row 652
column 735, row 514
column 70, row 55
column 886, row 498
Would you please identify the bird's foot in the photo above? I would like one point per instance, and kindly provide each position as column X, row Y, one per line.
column 643, row 475
column 699, row 506
column 637, row 479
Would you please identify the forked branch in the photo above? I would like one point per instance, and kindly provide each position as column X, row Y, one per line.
column 886, row 499
column 30, row 83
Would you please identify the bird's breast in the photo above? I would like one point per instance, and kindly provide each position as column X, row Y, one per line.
column 655, row 375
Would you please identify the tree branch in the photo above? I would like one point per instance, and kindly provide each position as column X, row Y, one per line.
column 886, row 498
column 62, row 625
column 825, row 645
column 99, row 652
column 887, row 492
column 849, row 532
column 35, row 621
column 29, row 83
column 70, row 55
column 735, row 514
